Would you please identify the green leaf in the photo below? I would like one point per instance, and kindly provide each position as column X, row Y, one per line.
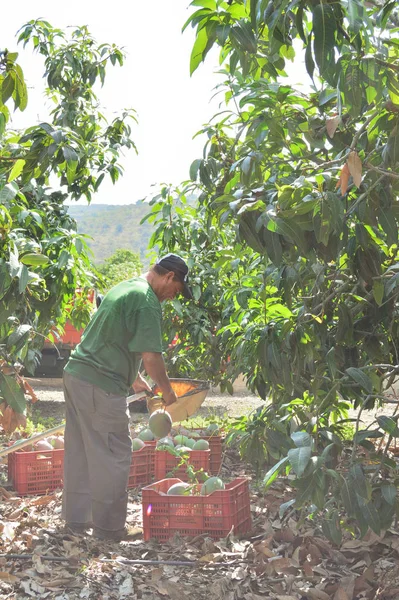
column 361, row 378
column 332, row 530
column 389, row 493
column 290, row 230
column 284, row 507
column 370, row 515
column 7, row 88
column 198, row 49
column 301, row 439
column 23, row 279
column 19, row 337
column 389, row 425
column 12, row 393
column 17, row 169
column 348, row 496
column 378, row 291
column 324, row 27
column 309, row 62
column 389, row 224
column 274, row 471
column 361, row 485
column 34, row 259
column 299, row 459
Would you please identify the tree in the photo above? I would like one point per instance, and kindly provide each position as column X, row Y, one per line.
column 43, row 260
column 122, row 265
column 307, row 186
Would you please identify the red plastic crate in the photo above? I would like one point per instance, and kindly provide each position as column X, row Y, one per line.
column 215, row 446
column 166, row 463
column 36, row 472
column 215, row 515
column 142, row 466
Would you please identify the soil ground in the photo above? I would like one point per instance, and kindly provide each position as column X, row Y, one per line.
column 282, row 557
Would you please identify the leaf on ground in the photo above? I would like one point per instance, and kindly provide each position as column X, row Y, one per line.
column 8, row 577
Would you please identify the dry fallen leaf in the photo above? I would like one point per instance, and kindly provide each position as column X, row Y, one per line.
column 355, row 167
column 340, row 594
column 315, row 594
column 8, row 577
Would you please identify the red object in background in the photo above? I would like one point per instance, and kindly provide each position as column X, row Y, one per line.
column 37, row 472
column 215, row 446
column 193, row 515
column 71, row 335
column 142, row 466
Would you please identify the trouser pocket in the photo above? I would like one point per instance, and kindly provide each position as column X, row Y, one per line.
column 110, row 412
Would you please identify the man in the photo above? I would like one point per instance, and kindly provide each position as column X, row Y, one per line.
column 125, row 330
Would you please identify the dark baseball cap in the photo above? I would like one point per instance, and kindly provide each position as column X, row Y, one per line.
column 175, row 263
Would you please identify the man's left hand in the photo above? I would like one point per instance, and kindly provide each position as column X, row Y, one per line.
column 141, row 385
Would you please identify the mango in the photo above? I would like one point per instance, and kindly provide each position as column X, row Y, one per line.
column 201, row 445
column 160, row 423
column 179, row 489
column 137, row 444
column 211, row 485
column 146, row 435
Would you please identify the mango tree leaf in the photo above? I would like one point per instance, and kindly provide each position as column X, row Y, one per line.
column 299, row 458
column 361, row 378
column 324, row 27
column 274, row 471
column 370, row 515
column 361, row 485
column 198, row 49
column 16, row 170
column 389, row 493
column 388, row 425
column 12, row 393
column 301, row 439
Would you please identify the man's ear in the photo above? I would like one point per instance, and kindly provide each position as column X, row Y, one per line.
column 169, row 275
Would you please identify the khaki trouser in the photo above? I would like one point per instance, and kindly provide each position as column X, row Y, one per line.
column 98, row 453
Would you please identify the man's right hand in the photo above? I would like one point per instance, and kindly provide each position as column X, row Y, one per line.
column 169, row 398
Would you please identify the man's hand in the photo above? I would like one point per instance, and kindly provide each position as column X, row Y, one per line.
column 155, row 367
column 141, row 385
column 169, row 397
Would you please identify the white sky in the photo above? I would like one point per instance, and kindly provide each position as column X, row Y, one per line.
column 155, row 81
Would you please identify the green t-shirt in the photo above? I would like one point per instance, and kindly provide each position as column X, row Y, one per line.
column 127, row 323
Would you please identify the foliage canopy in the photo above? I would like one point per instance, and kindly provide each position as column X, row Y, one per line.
column 297, row 230
column 43, row 260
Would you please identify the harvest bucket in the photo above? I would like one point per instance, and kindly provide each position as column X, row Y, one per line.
column 191, row 393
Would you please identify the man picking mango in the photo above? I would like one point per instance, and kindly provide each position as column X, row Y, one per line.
column 125, row 331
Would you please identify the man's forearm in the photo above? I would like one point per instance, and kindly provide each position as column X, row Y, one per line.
column 155, row 367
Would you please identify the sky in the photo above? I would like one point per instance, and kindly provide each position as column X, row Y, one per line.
column 154, row 80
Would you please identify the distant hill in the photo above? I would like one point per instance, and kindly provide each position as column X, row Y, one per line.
column 113, row 227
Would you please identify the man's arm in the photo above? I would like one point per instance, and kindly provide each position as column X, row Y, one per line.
column 155, row 367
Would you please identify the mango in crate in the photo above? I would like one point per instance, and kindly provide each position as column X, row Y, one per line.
column 137, row 444
column 165, row 442
column 179, row 489
column 43, row 446
column 211, row 485
column 201, row 445
column 146, row 435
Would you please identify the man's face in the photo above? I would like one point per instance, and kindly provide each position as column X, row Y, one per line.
column 170, row 288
